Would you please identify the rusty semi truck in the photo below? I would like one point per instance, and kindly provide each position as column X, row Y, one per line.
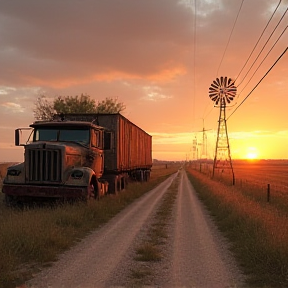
column 78, row 156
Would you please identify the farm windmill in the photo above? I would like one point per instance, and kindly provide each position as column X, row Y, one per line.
column 222, row 91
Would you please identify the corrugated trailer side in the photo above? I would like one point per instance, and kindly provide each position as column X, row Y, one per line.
column 134, row 146
column 131, row 147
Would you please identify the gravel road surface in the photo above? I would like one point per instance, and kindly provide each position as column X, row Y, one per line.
column 195, row 254
column 200, row 254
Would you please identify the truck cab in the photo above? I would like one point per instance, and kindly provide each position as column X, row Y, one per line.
column 65, row 159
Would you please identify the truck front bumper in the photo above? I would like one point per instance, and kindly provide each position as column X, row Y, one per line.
column 45, row 191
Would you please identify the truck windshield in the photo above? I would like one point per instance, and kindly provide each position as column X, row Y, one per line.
column 72, row 135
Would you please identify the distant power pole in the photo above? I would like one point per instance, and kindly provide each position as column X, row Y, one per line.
column 204, row 142
column 222, row 91
column 194, row 149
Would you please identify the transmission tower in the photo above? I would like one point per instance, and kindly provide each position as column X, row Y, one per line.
column 222, row 91
column 204, row 142
column 195, row 149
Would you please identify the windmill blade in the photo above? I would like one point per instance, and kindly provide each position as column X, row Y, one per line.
column 225, row 84
column 222, row 90
column 214, row 86
column 221, row 80
column 231, row 81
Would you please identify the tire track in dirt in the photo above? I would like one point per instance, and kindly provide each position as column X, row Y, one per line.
column 91, row 262
column 194, row 255
column 200, row 255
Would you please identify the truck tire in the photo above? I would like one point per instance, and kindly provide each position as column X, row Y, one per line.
column 147, row 175
column 92, row 192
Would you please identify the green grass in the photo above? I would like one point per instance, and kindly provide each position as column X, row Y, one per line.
column 33, row 237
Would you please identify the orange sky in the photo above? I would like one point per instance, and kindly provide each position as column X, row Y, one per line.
column 158, row 58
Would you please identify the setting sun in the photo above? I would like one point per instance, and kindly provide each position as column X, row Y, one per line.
column 252, row 153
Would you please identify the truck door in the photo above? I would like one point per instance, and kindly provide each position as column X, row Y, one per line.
column 97, row 148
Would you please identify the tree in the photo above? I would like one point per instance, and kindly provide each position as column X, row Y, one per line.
column 44, row 109
column 74, row 104
column 110, row 105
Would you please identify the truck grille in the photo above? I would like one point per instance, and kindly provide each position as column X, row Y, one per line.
column 44, row 165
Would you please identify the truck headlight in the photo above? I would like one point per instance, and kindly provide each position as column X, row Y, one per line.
column 14, row 172
column 77, row 174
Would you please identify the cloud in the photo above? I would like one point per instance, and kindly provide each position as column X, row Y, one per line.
column 172, row 138
column 60, row 45
column 92, row 40
column 154, row 93
column 258, row 134
column 282, row 134
column 155, row 55
column 6, row 90
column 13, row 107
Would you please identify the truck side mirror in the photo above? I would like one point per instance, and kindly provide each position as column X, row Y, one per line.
column 21, row 133
column 17, row 137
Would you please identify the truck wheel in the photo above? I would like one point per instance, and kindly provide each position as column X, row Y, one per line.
column 92, row 193
column 147, row 176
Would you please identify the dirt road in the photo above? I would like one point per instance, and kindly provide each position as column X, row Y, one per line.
column 200, row 254
column 195, row 253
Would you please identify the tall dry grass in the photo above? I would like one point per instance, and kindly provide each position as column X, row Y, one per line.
column 258, row 231
column 253, row 178
column 35, row 236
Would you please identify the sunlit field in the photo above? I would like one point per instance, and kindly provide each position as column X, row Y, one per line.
column 254, row 178
column 258, row 229
column 263, row 172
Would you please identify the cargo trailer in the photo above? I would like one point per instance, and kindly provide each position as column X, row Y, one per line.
column 79, row 156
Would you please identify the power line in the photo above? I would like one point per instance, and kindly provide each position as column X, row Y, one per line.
column 263, row 47
column 258, row 82
column 194, row 58
column 229, row 37
column 258, row 40
column 263, row 59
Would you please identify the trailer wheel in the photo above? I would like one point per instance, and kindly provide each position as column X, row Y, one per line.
column 147, row 175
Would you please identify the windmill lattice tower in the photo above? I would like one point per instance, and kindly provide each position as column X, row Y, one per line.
column 221, row 92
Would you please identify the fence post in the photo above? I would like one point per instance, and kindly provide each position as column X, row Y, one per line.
column 268, row 193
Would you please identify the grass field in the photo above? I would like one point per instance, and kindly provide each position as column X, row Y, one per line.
column 259, row 172
column 257, row 229
column 35, row 236
column 253, row 178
